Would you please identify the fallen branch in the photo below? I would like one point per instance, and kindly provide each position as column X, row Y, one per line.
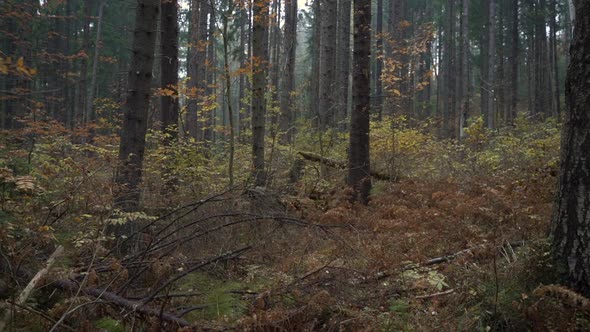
column 24, row 295
column 134, row 306
column 342, row 165
column 445, row 259
column 425, row 297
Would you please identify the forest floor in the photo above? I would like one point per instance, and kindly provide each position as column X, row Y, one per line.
column 458, row 244
column 422, row 256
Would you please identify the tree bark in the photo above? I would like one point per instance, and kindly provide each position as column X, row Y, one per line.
column 378, row 99
column 343, row 61
column 514, row 64
column 191, row 69
column 328, row 64
column 491, row 77
column 571, row 219
column 242, row 94
column 132, row 147
column 260, row 62
column 359, row 169
column 314, row 78
column 288, row 82
column 89, row 114
column 208, row 72
column 169, row 66
column 465, row 73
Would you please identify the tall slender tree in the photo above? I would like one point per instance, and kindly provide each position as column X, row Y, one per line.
column 288, row 79
column 327, row 63
column 260, row 62
column 490, row 86
column 344, row 20
column 135, row 109
column 169, row 66
column 359, row 168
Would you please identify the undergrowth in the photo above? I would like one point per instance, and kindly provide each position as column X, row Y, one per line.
column 484, row 200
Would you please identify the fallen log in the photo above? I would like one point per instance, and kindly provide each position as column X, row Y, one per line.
column 135, row 306
column 342, row 165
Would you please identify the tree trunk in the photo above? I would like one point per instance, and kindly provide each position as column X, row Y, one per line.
column 379, row 61
column 228, row 96
column 260, row 62
column 343, row 61
column 83, row 65
column 190, row 125
column 314, row 78
column 571, row 219
column 554, row 58
column 491, row 77
column 89, row 114
column 327, row 63
column 449, row 81
column 359, row 169
column 207, row 72
column 465, row 63
column 242, row 106
column 169, row 67
column 514, row 65
column 542, row 99
column 288, row 81
column 275, row 40
column 135, row 108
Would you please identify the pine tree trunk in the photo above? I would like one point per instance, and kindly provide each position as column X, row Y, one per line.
column 465, row 63
column 242, row 106
column 449, row 77
column 83, row 65
column 132, row 147
column 491, row 77
column 314, row 76
column 343, row 61
column 275, row 41
column 190, row 124
column 554, row 58
column 358, row 157
column 89, row 114
column 169, row 66
column 542, row 83
column 288, row 81
column 571, row 219
column 379, row 61
column 327, row 64
column 260, row 63
column 207, row 74
column 514, row 64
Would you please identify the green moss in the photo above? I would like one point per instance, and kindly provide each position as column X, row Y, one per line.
column 109, row 325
